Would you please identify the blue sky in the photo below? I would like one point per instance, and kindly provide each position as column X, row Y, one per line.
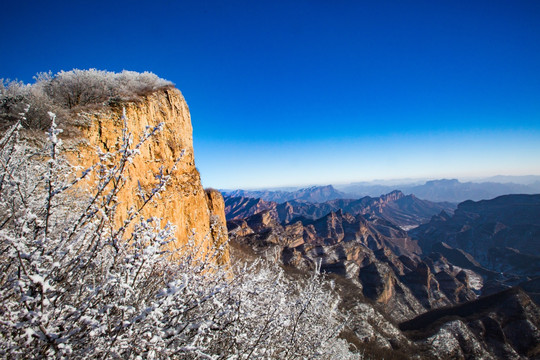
column 315, row 92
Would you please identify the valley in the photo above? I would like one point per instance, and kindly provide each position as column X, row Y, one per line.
column 435, row 278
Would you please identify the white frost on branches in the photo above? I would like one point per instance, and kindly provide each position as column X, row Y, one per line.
column 73, row 284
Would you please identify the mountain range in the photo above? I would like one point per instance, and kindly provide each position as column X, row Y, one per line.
column 406, row 211
column 445, row 190
column 417, row 277
column 311, row 194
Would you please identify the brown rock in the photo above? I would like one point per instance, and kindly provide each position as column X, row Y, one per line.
column 184, row 204
column 218, row 223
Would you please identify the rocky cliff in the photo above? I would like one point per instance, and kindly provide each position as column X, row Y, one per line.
column 195, row 213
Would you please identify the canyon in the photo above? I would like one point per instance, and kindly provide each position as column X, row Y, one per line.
column 416, row 276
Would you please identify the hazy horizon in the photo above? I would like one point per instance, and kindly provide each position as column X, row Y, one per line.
column 506, row 179
column 311, row 92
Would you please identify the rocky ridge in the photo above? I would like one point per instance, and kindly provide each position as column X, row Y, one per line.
column 406, row 211
column 505, row 325
column 312, row 194
column 501, row 235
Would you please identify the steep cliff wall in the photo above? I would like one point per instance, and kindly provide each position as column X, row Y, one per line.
column 184, row 204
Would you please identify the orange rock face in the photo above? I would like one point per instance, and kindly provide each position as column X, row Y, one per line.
column 184, row 203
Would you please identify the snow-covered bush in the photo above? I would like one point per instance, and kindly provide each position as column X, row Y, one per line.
column 71, row 89
column 82, row 87
column 74, row 284
column 17, row 97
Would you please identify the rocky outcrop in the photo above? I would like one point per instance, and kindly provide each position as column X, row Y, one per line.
column 218, row 223
column 195, row 213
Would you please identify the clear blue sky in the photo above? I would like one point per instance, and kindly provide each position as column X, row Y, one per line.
column 315, row 92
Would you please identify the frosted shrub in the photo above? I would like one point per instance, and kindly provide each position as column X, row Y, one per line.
column 71, row 89
column 83, row 87
column 74, row 284
column 16, row 98
column 130, row 83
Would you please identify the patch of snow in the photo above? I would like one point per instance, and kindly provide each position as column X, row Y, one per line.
column 476, row 282
column 408, row 227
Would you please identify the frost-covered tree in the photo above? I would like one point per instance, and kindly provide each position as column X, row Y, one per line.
column 74, row 284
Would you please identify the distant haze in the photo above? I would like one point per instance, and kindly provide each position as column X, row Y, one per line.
column 442, row 190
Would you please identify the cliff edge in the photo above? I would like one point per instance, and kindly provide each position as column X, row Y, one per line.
column 196, row 214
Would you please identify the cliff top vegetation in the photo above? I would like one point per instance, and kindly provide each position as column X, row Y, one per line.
column 70, row 90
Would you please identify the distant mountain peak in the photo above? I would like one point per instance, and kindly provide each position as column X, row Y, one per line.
column 318, row 187
column 392, row 196
column 317, row 194
column 443, row 182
